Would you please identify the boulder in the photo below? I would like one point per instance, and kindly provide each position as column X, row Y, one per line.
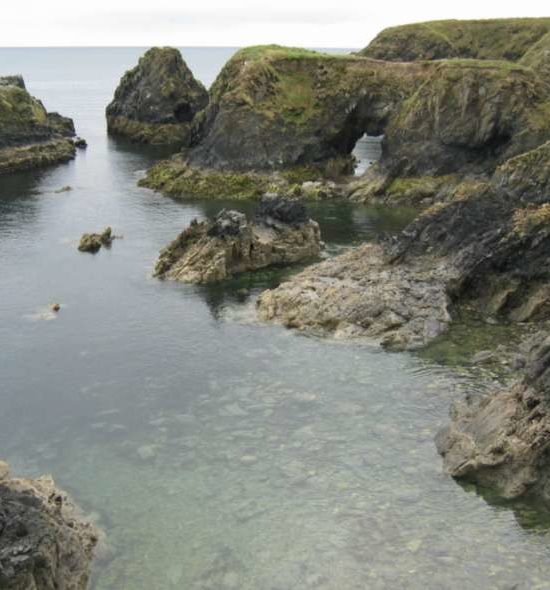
column 215, row 250
column 30, row 137
column 157, row 100
column 45, row 543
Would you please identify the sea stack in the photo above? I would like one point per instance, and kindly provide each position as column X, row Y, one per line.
column 156, row 102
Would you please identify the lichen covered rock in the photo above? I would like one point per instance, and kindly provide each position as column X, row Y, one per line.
column 30, row 137
column 45, row 544
column 157, row 100
column 211, row 251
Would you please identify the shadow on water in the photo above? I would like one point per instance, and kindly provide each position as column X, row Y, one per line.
column 530, row 515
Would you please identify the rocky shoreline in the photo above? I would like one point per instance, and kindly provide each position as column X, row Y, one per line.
column 464, row 110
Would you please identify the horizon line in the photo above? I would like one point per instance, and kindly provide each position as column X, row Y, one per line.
column 164, row 45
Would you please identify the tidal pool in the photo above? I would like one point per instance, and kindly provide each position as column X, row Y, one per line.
column 218, row 453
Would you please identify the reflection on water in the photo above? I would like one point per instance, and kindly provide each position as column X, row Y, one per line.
column 221, row 454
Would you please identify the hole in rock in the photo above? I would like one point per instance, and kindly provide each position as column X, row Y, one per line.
column 367, row 151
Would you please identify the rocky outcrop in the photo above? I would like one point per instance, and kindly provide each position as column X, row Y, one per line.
column 282, row 112
column 93, row 242
column 501, row 441
column 157, row 100
column 30, row 137
column 211, row 251
column 492, row 39
column 361, row 294
column 277, row 112
column 45, row 544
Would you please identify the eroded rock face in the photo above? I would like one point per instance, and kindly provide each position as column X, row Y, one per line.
column 211, row 251
column 44, row 542
column 501, row 441
column 30, row 137
column 157, row 100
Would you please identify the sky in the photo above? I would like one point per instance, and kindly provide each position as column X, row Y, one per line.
column 234, row 23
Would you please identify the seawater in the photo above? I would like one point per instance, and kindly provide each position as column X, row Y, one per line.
column 218, row 453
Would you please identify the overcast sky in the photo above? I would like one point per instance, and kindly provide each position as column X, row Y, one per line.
column 309, row 23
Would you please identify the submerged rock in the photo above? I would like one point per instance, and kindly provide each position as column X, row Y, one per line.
column 157, row 100
column 93, row 242
column 30, row 137
column 210, row 251
column 44, row 542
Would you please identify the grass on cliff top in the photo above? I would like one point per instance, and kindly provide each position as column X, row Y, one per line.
column 483, row 39
column 18, row 107
column 259, row 52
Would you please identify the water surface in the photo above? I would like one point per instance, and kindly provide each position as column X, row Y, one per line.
column 219, row 453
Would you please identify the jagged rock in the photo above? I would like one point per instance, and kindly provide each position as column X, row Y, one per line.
column 157, row 100
column 93, row 242
column 30, row 137
column 45, row 544
column 492, row 39
column 215, row 250
column 501, row 440
column 80, row 143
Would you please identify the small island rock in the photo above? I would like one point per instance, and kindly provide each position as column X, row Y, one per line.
column 157, row 100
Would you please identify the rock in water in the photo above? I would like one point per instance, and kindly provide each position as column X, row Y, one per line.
column 157, row 101
column 30, row 137
column 212, row 251
column 361, row 294
column 501, row 441
column 93, row 242
column 44, row 542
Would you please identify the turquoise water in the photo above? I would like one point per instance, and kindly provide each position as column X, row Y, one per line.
column 216, row 452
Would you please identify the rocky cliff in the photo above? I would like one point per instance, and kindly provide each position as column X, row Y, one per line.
column 44, row 542
column 280, row 112
column 493, row 39
column 30, row 137
column 157, row 100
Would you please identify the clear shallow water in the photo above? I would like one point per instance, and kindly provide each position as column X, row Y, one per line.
column 219, row 454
